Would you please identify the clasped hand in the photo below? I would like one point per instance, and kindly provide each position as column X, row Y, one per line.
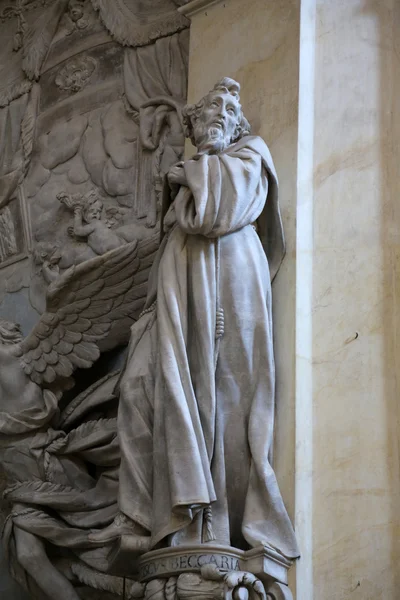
column 176, row 175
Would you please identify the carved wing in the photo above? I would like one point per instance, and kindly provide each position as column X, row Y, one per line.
column 89, row 308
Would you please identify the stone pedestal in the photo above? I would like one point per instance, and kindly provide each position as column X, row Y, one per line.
column 207, row 571
column 263, row 562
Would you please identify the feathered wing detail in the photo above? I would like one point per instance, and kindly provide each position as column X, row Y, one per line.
column 90, row 308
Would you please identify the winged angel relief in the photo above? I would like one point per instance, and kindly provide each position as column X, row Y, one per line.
column 61, row 460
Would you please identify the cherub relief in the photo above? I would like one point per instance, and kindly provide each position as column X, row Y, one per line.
column 76, row 12
column 47, row 257
column 76, row 17
column 46, row 269
column 88, row 223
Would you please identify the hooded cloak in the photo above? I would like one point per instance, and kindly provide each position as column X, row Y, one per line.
column 196, row 413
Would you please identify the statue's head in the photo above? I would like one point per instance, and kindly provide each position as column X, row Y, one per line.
column 217, row 120
column 10, row 333
column 92, row 207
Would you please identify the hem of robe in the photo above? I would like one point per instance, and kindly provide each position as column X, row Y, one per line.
column 178, row 522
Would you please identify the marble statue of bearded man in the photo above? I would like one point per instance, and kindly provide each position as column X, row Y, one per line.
column 196, row 413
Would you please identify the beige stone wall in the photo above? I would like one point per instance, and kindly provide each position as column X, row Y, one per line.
column 356, row 502
column 336, row 148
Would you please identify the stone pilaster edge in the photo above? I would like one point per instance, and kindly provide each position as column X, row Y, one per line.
column 195, row 6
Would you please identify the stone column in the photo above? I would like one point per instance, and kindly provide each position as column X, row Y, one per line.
column 354, row 392
column 320, row 82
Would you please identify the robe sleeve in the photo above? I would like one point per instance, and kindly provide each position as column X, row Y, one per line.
column 226, row 192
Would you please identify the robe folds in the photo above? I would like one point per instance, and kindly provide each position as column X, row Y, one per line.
column 196, row 412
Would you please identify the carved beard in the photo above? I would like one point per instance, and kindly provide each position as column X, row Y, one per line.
column 209, row 139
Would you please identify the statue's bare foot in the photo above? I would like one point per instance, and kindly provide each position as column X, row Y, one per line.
column 122, row 525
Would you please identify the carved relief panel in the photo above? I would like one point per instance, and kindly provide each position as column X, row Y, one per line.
column 107, row 125
column 90, row 92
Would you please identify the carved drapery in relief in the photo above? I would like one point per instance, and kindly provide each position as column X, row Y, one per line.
column 26, row 31
column 155, row 79
column 20, row 68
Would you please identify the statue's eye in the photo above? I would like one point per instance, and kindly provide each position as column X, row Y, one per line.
column 231, row 111
column 214, row 104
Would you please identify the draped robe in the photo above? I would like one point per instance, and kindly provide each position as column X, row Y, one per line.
column 196, row 412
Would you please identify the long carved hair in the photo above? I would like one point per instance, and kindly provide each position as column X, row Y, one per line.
column 10, row 333
column 191, row 112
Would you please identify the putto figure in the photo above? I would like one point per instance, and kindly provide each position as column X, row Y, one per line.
column 196, row 412
column 88, row 224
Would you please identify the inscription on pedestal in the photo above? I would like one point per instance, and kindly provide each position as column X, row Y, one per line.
column 163, row 565
column 262, row 561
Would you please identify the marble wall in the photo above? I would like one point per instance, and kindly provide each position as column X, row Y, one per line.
column 356, row 483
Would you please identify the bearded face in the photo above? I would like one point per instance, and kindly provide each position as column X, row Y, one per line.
column 217, row 122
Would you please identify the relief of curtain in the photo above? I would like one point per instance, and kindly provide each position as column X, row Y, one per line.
column 155, row 80
column 19, row 93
